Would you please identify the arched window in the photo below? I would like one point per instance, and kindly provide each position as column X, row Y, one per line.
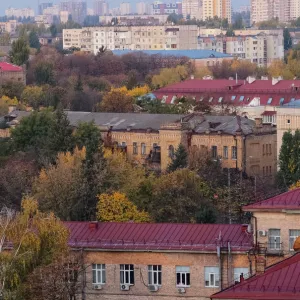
column 171, row 151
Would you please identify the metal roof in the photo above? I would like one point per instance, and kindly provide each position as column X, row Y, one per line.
column 7, row 67
column 288, row 200
column 279, row 282
column 163, row 237
column 192, row 54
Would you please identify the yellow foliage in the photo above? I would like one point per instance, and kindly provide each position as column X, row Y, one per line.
column 279, row 68
column 117, row 208
column 200, row 72
column 135, row 92
column 9, row 101
column 295, row 186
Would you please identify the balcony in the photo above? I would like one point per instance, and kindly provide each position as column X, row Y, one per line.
column 271, row 248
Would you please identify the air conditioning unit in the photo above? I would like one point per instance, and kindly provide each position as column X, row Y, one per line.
column 153, row 288
column 97, row 287
column 181, row 290
column 125, row 287
column 262, row 233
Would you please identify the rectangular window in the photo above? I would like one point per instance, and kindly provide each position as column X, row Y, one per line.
column 269, row 100
column 233, row 98
column 99, row 273
column 126, row 274
column 212, row 276
column 263, row 149
column 242, row 98
column 270, row 149
column 225, row 152
column 183, row 278
column 237, row 272
column 274, row 239
column 294, row 233
column 143, row 148
column 211, row 99
column 135, row 148
column 123, row 144
column 154, row 275
column 220, row 99
column 214, row 151
column 233, row 152
column 281, row 101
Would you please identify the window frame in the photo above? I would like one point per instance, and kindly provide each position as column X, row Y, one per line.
column 276, row 237
column 234, row 151
column 207, row 277
column 294, row 238
column 152, row 273
column 95, row 274
column 129, row 270
column 143, row 149
column 237, row 273
column 183, row 274
column 225, row 152
column 135, row 148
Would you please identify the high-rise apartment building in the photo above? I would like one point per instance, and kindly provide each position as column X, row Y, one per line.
column 143, row 8
column 219, row 8
column 125, row 8
column 76, row 8
column 19, row 12
column 192, row 9
column 159, row 8
column 101, row 8
column 43, row 6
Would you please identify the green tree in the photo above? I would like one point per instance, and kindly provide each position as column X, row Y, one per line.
column 33, row 96
column 53, row 30
column 34, row 40
column 230, row 32
column 287, row 39
column 179, row 160
column 19, row 53
column 43, row 73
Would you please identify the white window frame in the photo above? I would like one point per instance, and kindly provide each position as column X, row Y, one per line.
column 234, row 151
column 99, row 273
column 143, row 149
column 276, row 244
column 225, row 152
column 293, row 237
column 126, row 270
column 185, row 276
column 155, row 275
column 135, row 149
column 237, row 272
column 212, row 277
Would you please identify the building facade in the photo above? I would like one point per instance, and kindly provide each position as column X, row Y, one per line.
column 125, row 8
column 160, row 8
column 101, row 8
column 192, row 9
column 160, row 261
column 77, row 9
column 219, row 8
column 9, row 26
column 13, row 73
column 19, row 12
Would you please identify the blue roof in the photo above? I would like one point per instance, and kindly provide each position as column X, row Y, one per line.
column 295, row 103
column 192, row 54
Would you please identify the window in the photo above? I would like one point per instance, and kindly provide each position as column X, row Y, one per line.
column 214, row 151
column 237, row 272
column 293, row 99
column 154, row 275
column 220, row 99
column 183, row 276
column 134, row 148
column 269, row 100
column 233, row 98
column 155, row 145
column 126, row 274
column 99, row 273
column 294, row 233
column 274, row 239
column 212, row 276
column 242, row 98
column 211, row 99
column 263, row 149
column 143, row 148
column 233, row 152
column 288, row 121
column 171, row 151
column 281, row 101
column 123, row 144
column 225, row 152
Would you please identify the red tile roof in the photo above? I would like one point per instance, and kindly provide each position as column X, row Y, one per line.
column 289, row 200
column 6, row 67
column 164, row 237
column 279, row 282
column 274, row 95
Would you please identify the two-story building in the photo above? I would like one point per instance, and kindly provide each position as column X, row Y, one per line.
column 10, row 72
column 160, row 261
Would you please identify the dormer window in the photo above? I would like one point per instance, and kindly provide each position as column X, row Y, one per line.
column 211, row 99
column 242, row 98
column 220, row 99
column 281, row 101
column 233, row 98
column 270, row 101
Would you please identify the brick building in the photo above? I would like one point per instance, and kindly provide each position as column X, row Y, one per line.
column 160, row 261
column 10, row 72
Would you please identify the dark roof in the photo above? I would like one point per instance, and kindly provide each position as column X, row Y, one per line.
column 289, row 200
column 164, row 237
column 122, row 121
column 279, row 282
column 239, row 93
column 192, row 54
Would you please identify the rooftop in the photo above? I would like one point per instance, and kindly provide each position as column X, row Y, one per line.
column 154, row 236
column 286, row 201
column 192, row 54
column 279, row 282
column 7, row 67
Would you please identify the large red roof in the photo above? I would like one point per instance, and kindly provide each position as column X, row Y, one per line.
column 289, row 200
column 279, row 282
column 239, row 93
column 6, row 67
column 164, row 237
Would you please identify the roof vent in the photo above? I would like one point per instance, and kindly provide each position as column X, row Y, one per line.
column 93, row 225
column 207, row 77
column 192, row 77
column 275, row 80
column 264, row 78
column 250, row 79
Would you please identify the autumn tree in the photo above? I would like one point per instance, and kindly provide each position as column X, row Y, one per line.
column 19, row 53
column 117, row 101
column 117, row 208
column 179, row 160
column 32, row 96
column 35, row 239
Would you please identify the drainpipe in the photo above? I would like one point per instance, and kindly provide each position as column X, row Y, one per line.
column 220, row 265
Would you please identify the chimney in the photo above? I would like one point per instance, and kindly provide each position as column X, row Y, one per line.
column 242, row 279
column 244, row 227
column 260, row 265
column 258, row 122
column 93, row 225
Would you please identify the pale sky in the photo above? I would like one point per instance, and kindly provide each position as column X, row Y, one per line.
column 34, row 3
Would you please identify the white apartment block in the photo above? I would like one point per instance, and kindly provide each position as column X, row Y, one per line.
column 131, row 37
column 261, row 49
column 9, row 26
column 51, row 10
column 125, row 8
column 192, row 8
column 143, row 8
column 19, row 12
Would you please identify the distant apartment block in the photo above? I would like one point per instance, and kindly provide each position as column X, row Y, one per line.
column 132, row 38
column 192, row 9
column 260, row 47
column 77, row 9
column 125, row 8
column 19, row 12
column 43, row 6
column 134, row 20
column 143, row 8
column 9, row 26
column 51, row 10
column 219, row 8
column 160, row 8
column 101, row 8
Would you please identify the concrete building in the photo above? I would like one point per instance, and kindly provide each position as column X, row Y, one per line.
column 192, row 9
column 160, row 8
column 132, row 20
column 77, row 9
column 51, row 10
column 143, row 8
column 159, row 261
column 219, row 8
column 101, row 8
column 43, row 6
column 19, row 12
column 64, row 16
column 125, row 8
column 9, row 26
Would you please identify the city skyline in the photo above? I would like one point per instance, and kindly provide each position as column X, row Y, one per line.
column 34, row 4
